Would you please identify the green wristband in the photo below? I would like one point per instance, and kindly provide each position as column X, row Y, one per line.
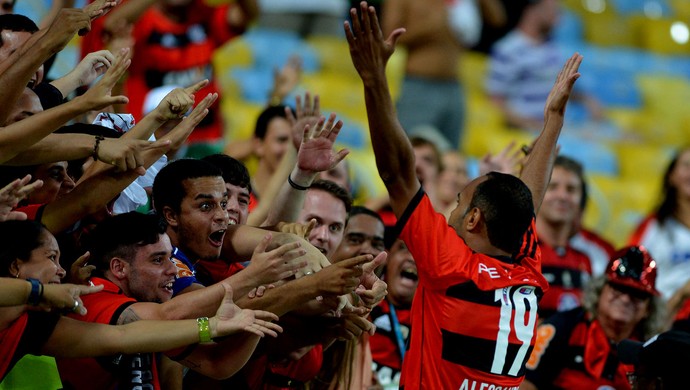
column 204, row 330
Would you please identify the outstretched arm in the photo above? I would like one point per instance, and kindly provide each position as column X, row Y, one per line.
column 94, row 193
column 315, row 155
column 536, row 172
column 393, row 151
column 21, row 135
column 72, row 338
column 15, row 292
column 276, row 200
column 16, row 71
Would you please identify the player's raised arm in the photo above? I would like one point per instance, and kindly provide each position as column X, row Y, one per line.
column 537, row 169
column 394, row 155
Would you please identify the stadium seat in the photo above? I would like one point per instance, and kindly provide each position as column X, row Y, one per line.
column 664, row 36
column 641, row 160
column 608, row 30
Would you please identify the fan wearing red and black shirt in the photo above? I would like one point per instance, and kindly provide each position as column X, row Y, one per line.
column 565, row 268
column 475, row 310
column 132, row 253
column 578, row 349
column 174, row 45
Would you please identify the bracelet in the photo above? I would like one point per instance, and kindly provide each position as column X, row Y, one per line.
column 99, row 138
column 204, row 330
column 36, row 292
column 295, row 185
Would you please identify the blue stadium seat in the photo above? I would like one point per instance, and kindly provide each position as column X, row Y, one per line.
column 594, row 155
column 272, row 48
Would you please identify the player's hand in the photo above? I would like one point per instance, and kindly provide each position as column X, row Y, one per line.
column 368, row 49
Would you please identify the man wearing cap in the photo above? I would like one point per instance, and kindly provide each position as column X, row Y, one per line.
column 577, row 348
column 661, row 362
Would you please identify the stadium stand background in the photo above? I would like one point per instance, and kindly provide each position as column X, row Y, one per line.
column 637, row 63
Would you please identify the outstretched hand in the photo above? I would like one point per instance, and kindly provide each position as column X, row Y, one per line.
column 230, row 319
column 178, row 101
column 12, row 194
column 178, row 135
column 271, row 266
column 368, row 49
column 99, row 96
column 286, row 78
column 300, row 229
column 80, row 271
column 372, row 289
column 563, row 87
column 99, row 8
column 342, row 277
column 91, row 67
column 316, row 152
column 307, row 113
column 66, row 296
column 507, row 161
column 126, row 154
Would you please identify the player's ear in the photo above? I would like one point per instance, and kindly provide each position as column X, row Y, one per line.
column 473, row 219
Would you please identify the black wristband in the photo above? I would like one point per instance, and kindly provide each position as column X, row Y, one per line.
column 36, row 292
column 99, row 138
column 295, row 185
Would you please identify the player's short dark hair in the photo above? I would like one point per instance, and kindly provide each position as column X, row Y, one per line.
column 335, row 190
column 234, row 171
column 574, row 166
column 506, row 204
column 266, row 116
column 359, row 210
column 120, row 236
column 168, row 186
column 17, row 240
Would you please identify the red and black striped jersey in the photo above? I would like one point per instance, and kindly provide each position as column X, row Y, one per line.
column 573, row 352
column 473, row 316
column 170, row 53
column 567, row 270
column 118, row 371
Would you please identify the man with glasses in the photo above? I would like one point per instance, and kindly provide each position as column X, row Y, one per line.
column 577, row 348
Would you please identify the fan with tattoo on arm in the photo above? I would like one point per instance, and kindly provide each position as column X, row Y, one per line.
column 131, row 253
column 32, row 252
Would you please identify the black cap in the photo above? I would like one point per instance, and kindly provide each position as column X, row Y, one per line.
column 665, row 356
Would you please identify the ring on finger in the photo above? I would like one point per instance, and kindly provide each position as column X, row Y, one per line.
column 75, row 308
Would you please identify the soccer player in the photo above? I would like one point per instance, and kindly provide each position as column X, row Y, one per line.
column 474, row 313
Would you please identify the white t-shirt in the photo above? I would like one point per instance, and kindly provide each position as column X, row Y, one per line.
column 669, row 245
